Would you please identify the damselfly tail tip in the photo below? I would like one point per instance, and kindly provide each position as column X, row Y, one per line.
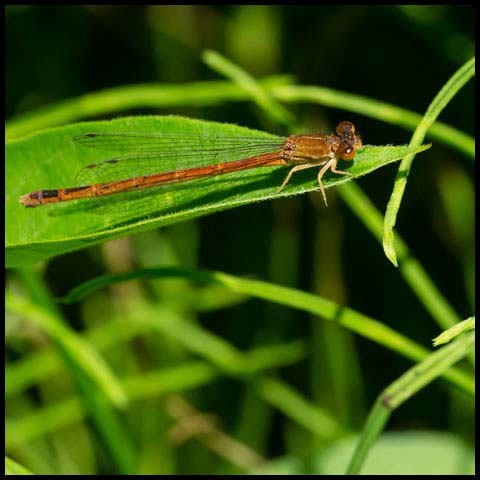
column 26, row 201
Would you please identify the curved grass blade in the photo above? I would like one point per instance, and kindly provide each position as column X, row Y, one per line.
column 448, row 91
column 455, row 331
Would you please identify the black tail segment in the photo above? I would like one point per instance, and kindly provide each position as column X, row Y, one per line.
column 34, row 199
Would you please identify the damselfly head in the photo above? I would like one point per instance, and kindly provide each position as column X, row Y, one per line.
column 350, row 142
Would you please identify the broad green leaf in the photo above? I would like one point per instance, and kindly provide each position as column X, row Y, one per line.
column 411, row 452
column 51, row 159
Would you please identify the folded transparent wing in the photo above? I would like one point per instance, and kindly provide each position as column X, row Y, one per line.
column 159, row 153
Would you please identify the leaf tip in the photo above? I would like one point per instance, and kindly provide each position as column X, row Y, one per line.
column 388, row 247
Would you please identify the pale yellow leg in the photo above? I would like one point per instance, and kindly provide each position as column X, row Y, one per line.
column 330, row 164
column 292, row 171
column 334, row 170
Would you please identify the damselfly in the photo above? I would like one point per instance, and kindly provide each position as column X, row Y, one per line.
column 298, row 151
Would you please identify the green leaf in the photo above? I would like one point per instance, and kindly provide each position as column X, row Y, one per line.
column 14, row 468
column 410, row 452
column 51, row 159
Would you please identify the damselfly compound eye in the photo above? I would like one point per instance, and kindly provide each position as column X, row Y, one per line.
column 346, row 152
column 345, row 128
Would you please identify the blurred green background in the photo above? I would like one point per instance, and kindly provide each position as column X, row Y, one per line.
column 398, row 54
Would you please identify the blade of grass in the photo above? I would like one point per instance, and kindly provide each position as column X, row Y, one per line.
column 453, row 332
column 448, row 91
column 261, row 96
column 45, row 420
column 118, row 99
column 355, row 321
column 295, row 406
column 404, row 388
column 193, row 374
